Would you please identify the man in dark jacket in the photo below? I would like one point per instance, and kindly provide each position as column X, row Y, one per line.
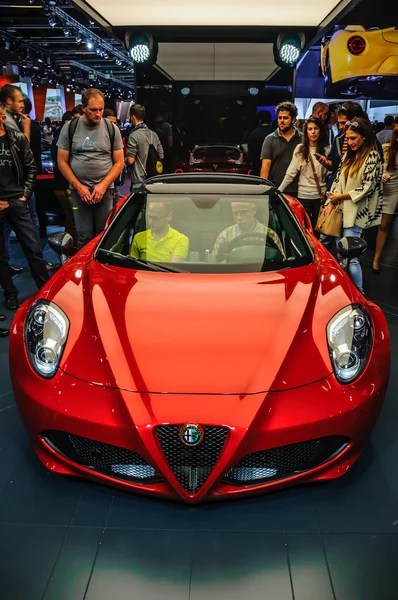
column 256, row 139
column 17, row 177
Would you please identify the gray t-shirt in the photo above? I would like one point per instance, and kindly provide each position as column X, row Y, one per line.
column 91, row 158
column 384, row 136
column 280, row 152
column 137, row 147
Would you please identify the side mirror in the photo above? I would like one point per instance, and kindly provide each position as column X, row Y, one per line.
column 351, row 247
column 62, row 243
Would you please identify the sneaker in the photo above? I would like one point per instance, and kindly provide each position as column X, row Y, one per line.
column 51, row 266
column 2, row 317
column 4, row 332
column 11, row 302
column 15, row 271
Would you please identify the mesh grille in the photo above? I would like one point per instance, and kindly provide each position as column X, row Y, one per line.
column 113, row 461
column 191, row 465
column 285, row 461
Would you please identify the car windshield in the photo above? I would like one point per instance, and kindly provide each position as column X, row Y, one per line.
column 205, row 233
column 225, row 152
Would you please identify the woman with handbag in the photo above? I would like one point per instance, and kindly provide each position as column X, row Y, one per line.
column 390, row 196
column 357, row 189
column 311, row 182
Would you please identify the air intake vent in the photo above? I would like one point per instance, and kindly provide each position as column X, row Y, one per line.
column 113, row 461
column 284, row 461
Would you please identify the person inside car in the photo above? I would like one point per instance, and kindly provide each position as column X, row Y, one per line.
column 244, row 214
column 160, row 243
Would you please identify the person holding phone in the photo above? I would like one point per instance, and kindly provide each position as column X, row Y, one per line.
column 311, row 181
column 358, row 188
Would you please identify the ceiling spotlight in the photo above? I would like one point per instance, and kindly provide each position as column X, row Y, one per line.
column 288, row 48
column 141, row 47
column 186, row 91
column 89, row 45
column 140, row 53
column 52, row 21
column 253, row 91
column 66, row 30
column 78, row 38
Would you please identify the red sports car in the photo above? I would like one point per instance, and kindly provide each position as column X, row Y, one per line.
column 221, row 158
column 205, row 346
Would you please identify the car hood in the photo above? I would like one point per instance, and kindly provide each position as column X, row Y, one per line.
column 199, row 334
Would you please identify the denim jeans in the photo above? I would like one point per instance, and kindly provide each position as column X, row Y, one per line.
column 7, row 227
column 90, row 219
column 18, row 216
column 354, row 269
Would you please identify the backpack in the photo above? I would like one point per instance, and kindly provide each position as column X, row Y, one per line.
column 154, row 164
column 72, row 130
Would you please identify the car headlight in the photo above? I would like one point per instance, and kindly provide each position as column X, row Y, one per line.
column 350, row 340
column 46, row 331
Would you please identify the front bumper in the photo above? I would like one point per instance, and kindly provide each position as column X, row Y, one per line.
column 256, row 422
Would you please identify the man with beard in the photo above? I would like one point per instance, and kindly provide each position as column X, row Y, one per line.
column 17, row 177
column 12, row 98
column 278, row 147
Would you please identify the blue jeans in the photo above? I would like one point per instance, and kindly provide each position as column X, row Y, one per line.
column 33, row 214
column 354, row 269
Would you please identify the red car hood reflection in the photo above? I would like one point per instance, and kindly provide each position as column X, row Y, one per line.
column 200, row 334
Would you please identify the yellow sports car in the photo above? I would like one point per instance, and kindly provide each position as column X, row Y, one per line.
column 356, row 57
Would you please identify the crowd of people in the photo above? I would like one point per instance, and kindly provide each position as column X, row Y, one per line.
column 332, row 159
column 357, row 169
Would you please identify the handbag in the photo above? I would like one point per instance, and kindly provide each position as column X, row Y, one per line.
column 330, row 220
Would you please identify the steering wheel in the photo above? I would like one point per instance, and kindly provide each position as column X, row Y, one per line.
column 250, row 239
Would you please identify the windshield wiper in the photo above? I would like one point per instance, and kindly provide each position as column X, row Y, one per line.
column 149, row 265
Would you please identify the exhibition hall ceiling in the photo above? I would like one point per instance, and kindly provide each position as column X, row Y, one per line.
column 270, row 13
column 216, row 61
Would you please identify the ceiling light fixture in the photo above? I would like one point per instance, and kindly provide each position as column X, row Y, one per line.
column 288, row 48
column 142, row 48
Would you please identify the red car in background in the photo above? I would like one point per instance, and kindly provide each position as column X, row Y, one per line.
column 215, row 158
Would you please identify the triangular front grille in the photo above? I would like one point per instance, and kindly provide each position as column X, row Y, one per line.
column 191, row 465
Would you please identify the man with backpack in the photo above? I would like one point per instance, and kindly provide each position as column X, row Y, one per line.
column 144, row 150
column 90, row 157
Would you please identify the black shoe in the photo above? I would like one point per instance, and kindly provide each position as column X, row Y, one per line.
column 51, row 266
column 15, row 271
column 2, row 317
column 11, row 303
column 4, row 332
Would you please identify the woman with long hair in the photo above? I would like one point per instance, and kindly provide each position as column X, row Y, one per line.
column 358, row 187
column 311, row 182
column 390, row 196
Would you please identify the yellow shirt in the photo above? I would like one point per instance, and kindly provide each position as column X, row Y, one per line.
column 146, row 246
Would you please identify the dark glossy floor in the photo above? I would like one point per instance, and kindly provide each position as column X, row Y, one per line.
column 63, row 539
